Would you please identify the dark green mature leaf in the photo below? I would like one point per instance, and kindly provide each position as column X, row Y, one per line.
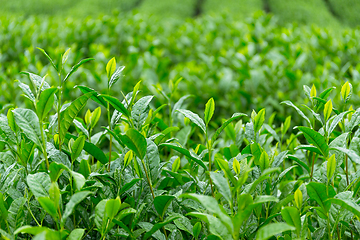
column 234, row 117
column 75, row 67
column 129, row 185
column 320, row 193
column 5, row 130
column 315, row 138
column 194, row 118
column 162, row 202
column 272, row 229
column 116, row 104
column 16, row 216
column 347, row 204
column 310, row 148
column 184, row 152
column 351, row 153
column 70, row 113
column 159, row 225
column 139, row 113
column 153, row 160
column 74, row 200
column 39, row 184
column 45, row 103
column 95, row 97
column 135, row 141
column 3, row 210
column 222, row 185
column 292, row 217
column 28, row 122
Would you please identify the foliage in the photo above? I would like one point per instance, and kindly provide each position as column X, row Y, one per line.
column 169, row 173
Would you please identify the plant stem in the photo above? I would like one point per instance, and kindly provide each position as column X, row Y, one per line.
column 209, row 153
column 110, row 145
column 59, row 108
column 148, row 179
column 312, row 167
column 44, row 145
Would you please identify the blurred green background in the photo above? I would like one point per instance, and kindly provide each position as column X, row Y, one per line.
column 329, row 13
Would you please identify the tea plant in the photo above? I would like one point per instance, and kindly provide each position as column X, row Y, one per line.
column 169, row 173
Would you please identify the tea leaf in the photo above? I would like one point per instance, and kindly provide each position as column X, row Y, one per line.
column 272, row 229
column 209, row 110
column 28, row 122
column 68, row 116
column 75, row 67
column 315, row 138
column 194, row 118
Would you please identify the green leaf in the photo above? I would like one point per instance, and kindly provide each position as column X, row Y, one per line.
column 331, row 166
column 272, row 229
column 347, row 204
column 327, row 110
column 264, row 162
column 346, row 91
column 75, row 67
column 222, row 185
column 95, row 96
column 355, row 121
column 77, row 147
column 39, row 184
column 159, row 225
column 48, row 205
column 116, row 104
column 49, row 58
column 336, row 121
column 162, row 202
column 259, row 120
column 292, row 217
column 28, row 122
column 234, row 117
column 184, row 152
column 65, row 57
column 68, row 116
column 112, row 207
column 209, row 110
column 31, row 230
column 27, row 91
column 110, row 67
column 74, row 200
column 92, row 149
column 115, row 76
column 3, row 210
column 315, row 138
column 79, row 179
column 135, row 141
column 298, row 110
column 76, row 234
column 197, row 229
column 194, row 118
column 5, row 130
column 320, row 193
column 351, row 153
column 212, row 206
column 129, row 185
column 139, row 111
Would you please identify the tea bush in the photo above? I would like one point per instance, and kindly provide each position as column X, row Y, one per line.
column 169, row 173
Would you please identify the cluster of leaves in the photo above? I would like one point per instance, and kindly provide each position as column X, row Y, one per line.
column 254, row 64
column 168, row 173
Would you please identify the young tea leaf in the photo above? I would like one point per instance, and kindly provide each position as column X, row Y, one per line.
column 209, row 110
column 110, row 67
